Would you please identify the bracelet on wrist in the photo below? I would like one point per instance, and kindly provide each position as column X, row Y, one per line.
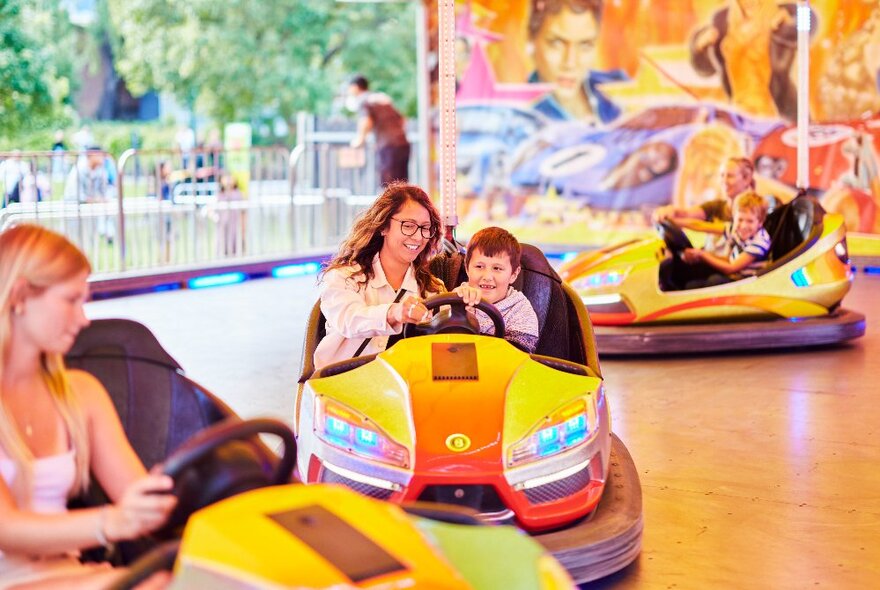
column 100, row 534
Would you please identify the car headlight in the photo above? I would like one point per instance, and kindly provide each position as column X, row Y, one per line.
column 599, row 280
column 566, row 428
column 351, row 431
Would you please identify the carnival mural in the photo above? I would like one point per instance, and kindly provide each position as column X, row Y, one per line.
column 576, row 118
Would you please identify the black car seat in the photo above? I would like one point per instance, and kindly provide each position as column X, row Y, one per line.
column 160, row 408
column 158, row 405
column 793, row 228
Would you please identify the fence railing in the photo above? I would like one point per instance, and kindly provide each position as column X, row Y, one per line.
column 158, row 210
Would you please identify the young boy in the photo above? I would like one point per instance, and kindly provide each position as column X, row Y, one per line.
column 493, row 263
column 747, row 242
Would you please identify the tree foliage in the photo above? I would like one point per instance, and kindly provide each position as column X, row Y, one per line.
column 245, row 59
column 36, row 62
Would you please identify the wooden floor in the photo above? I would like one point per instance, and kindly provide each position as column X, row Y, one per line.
column 758, row 470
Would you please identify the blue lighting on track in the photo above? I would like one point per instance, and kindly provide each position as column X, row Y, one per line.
column 872, row 270
column 227, row 278
column 295, row 270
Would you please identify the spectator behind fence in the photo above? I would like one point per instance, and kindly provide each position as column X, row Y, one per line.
column 228, row 216
column 377, row 114
column 89, row 182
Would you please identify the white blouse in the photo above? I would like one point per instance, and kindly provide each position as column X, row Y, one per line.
column 357, row 311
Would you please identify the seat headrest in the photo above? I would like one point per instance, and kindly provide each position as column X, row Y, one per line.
column 121, row 338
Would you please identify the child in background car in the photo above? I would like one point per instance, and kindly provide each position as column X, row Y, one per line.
column 747, row 243
column 492, row 262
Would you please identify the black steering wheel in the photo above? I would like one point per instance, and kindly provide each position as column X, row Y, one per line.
column 214, row 464
column 674, row 237
column 458, row 321
column 220, row 462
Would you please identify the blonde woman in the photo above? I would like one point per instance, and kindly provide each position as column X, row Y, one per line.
column 57, row 426
column 380, row 277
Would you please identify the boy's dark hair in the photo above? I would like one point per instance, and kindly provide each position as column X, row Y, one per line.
column 361, row 82
column 492, row 241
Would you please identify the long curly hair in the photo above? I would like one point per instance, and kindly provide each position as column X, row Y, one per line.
column 365, row 239
column 32, row 259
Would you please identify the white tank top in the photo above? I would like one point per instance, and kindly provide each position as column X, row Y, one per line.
column 53, row 477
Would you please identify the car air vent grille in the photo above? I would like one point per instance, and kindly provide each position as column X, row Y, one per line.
column 345, row 366
column 482, row 498
column 561, row 365
column 559, row 489
column 366, row 489
column 454, row 361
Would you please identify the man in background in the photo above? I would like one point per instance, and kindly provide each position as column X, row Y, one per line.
column 377, row 114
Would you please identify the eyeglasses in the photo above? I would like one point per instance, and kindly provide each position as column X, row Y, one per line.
column 409, row 228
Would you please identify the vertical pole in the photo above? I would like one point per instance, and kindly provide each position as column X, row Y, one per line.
column 803, row 112
column 424, row 90
column 446, row 50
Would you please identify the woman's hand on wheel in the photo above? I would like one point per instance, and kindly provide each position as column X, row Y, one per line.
column 143, row 508
column 410, row 310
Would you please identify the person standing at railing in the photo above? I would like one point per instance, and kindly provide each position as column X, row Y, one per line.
column 89, row 182
column 377, row 114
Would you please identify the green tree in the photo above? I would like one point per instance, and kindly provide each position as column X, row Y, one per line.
column 246, row 59
column 36, row 62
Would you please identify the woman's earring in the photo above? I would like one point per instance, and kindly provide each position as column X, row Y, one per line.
column 18, row 309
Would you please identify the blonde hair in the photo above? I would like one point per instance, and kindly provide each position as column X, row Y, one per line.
column 365, row 239
column 751, row 201
column 33, row 259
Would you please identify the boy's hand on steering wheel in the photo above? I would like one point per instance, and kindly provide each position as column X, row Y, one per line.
column 470, row 295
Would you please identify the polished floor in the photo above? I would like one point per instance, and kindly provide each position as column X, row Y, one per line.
column 758, row 470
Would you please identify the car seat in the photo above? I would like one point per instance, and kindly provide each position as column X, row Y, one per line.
column 158, row 405
column 793, row 228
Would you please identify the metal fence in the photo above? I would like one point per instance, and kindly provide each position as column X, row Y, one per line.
column 160, row 210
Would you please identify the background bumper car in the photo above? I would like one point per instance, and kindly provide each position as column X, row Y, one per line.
column 794, row 301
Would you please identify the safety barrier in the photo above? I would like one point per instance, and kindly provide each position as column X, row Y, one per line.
column 161, row 211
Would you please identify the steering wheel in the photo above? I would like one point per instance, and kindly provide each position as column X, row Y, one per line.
column 674, row 237
column 457, row 322
column 220, row 462
column 214, row 464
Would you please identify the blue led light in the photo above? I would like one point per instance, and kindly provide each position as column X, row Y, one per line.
column 337, row 427
column 547, row 435
column 800, row 278
column 872, row 270
column 545, row 451
column 229, row 278
column 569, row 256
column 576, row 424
column 366, row 438
column 295, row 270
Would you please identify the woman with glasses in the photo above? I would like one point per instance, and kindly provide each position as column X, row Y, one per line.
column 378, row 280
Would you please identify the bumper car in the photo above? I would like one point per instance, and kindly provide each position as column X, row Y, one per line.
column 449, row 415
column 241, row 523
column 794, row 301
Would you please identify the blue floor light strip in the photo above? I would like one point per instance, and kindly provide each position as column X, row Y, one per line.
column 227, row 278
column 295, row 270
